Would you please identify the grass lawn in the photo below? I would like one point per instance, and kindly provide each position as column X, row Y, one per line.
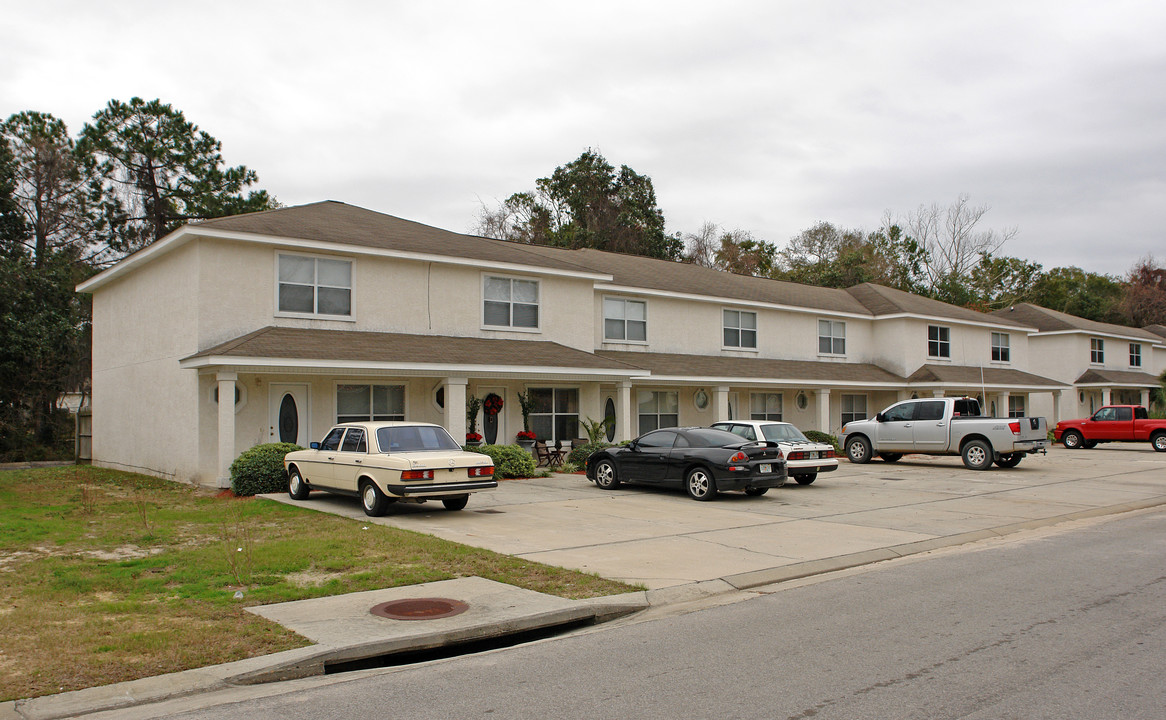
column 108, row 576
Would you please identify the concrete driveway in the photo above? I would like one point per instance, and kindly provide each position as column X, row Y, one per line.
column 857, row 514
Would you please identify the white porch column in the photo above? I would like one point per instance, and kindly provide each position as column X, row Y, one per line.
column 903, row 395
column 939, row 393
column 823, row 399
column 1105, row 395
column 226, row 386
column 590, row 407
column 1004, row 404
column 721, row 403
column 1146, row 398
column 1056, row 407
column 455, row 408
column 623, row 413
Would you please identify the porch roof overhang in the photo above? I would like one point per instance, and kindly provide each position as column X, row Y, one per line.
column 996, row 378
column 1116, row 378
column 669, row 368
column 314, row 351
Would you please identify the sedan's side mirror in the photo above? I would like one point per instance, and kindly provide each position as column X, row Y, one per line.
column 634, row 446
column 314, row 445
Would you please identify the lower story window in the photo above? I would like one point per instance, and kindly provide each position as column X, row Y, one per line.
column 355, row 403
column 658, row 409
column 853, row 408
column 765, row 406
column 1015, row 406
column 555, row 415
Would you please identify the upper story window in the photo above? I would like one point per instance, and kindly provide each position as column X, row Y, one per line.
column 831, row 337
column 740, row 329
column 1097, row 351
column 1135, row 355
column 938, row 341
column 510, row 302
column 1000, row 350
column 625, row 320
column 314, row 286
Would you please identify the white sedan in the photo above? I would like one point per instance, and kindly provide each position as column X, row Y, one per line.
column 383, row 462
column 804, row 458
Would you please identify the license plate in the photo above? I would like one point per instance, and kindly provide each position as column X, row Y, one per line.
column 766, row 468
column 813, row 454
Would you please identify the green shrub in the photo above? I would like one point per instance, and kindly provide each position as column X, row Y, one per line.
column 510, row 461
column 822, row 437
column 260, row 469
column 579, row 455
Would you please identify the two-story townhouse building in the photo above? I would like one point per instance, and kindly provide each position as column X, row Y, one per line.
column 326, row 312
column 1102, row 362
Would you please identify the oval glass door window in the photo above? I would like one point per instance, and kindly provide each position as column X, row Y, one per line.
column 289, row 420
column 609, row 416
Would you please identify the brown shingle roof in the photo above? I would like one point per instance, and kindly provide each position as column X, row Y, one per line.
column 746, row 369
column 884, row 300
column 1047, row 320
column 1117, row 377
column 970, row 376
column 326, row 346
column 1159, row 330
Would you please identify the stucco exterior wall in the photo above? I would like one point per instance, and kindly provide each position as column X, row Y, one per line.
column 145, row 408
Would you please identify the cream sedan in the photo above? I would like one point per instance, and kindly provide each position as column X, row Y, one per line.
column 804, row 458
column 383, row 462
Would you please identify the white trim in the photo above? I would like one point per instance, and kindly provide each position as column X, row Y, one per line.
column 408, row 369
column 1156, row 342
column 749, row 304
column 187, row 232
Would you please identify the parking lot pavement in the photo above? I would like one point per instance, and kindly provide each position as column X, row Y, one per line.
column 661, row 538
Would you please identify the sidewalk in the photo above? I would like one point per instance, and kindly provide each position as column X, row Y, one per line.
column 680, row 549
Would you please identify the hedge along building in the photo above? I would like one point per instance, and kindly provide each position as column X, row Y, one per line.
column 320, row 313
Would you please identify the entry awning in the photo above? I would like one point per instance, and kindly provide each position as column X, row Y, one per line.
column 997, row 378
column 305, row 350
column 720, row 370
column 1117, row 378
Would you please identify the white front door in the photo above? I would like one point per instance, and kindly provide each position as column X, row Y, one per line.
column 288, row 413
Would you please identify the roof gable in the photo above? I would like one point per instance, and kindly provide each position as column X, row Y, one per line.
column 1046, row 320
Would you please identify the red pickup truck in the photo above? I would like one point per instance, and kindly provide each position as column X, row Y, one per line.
column 1112, row 423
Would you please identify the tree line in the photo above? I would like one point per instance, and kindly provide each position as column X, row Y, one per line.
column 939, row 251
column 71, row 206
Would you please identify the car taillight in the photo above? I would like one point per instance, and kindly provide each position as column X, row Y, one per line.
column 797, row 455
column 1014, row 427
column 739, row 457
column 828, row 453
column 483, row 471
column 416, row 474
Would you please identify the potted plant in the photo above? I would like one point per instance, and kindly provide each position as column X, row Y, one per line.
column 526, row 438
column 472, row 406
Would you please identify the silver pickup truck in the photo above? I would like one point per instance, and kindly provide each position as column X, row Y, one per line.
column 945, row 426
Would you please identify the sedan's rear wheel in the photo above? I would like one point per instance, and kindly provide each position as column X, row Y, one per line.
column 605, row 475
column 756, row 492
column 858, row 450
column 700, row 484
column 374, row 501
column 807, row 479
column 891, row 457
column 296, row 487
column 1010, row 460
column 455, row 503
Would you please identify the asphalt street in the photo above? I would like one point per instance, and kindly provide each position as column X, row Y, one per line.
column 1061, row 623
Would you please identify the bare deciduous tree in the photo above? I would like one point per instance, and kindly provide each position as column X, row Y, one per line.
column 952, row 239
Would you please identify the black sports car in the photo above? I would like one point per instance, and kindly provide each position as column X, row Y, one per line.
column 702, row 460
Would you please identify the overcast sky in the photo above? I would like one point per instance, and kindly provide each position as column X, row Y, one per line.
column 762, row 116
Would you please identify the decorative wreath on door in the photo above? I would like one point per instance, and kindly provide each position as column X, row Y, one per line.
column 492, row 404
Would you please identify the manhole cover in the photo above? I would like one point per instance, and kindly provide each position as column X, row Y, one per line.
column 420, row 609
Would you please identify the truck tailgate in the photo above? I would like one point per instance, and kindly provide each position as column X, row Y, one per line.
column 1031, row 428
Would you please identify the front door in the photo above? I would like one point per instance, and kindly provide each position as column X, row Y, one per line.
column 288, row 414
column 494, row 426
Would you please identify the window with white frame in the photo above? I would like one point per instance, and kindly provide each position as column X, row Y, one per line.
column 831, row 337
column 1135, row 355
column 555, row 414
column 740, row 329
column 658, row 409
column 1001, row 352
column 1015, row 406
column 510, row 302
column 938, row 341
column 314, row 286
column 765, row 406
column 1097, row 351
column 853, row 408
column 625, row 320
column 356, row 403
